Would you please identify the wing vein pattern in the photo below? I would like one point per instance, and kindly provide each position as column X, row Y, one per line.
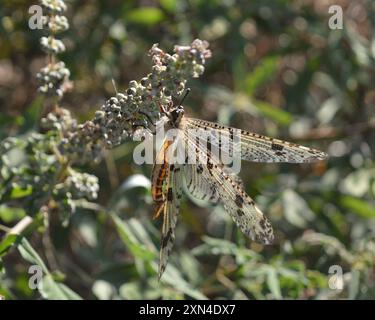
column 253, row 147
column 237, row 203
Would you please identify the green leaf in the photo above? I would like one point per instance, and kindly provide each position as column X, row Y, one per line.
column 216, row 247
column 8, row 214
column 50, row 289
column 296, row 209
column 359, row 47
column 354, row 284
column 19, row 192
column 7, row 243
column 30, row 255
column 273, row 283
column 328, row 110
column 131, row 291
column 147, row 16
column 130, row 194
column 278, row 115
column 169, row 5
column 173, row 277
column 261, row 74
column 141, row 233
column 358, row 207
column 190, row 266
column 137, row 249
column 357, row 183
column 135, row 181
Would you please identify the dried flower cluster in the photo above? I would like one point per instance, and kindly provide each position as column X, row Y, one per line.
column 41, row 178
column 75, row 187
column 33, row 169
column 52, row 78
column 139, row 107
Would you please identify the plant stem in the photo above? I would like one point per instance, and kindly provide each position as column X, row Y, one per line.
column 21, row 225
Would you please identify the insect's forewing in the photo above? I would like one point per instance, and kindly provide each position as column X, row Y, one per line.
column 237, row 203
column 252, row 146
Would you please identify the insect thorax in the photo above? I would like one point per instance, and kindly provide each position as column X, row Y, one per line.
column 175, row 116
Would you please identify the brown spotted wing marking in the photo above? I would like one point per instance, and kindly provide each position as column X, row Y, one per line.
column 201, row 188
column 198, row 186
column 167, row 193
column 237, row 203
column 255, row 147
column 171, row 210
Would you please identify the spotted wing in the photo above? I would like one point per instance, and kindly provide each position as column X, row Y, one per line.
column 251, row 146
column 170, row 213
column 237, row 203
column 201, row 188
column 198, row 186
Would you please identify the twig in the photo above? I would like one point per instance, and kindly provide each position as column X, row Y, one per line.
column 21, row 225
column 4, row 228
column 89, row 205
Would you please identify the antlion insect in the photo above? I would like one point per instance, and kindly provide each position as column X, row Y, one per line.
column 207, row 177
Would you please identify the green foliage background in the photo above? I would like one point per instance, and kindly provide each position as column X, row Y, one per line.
column 276, row 69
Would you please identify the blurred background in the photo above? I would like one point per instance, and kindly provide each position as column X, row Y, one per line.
column 277, row 69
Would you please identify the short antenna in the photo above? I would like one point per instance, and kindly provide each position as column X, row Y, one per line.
column 185, row 95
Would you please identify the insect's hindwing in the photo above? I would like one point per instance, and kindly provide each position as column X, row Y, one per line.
column 237, row 203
